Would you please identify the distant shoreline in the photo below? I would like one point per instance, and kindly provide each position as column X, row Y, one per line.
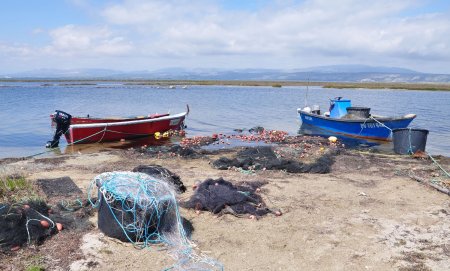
column 339, row 85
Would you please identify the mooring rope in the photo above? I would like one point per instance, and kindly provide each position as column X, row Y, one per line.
column 434, row 160
column 410, row 149
column 371, row 117
column 83, row 139
column 374, row 119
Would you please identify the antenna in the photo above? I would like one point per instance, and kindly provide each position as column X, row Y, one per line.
column 306, row 95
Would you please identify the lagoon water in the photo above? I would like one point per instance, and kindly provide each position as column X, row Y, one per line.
column 25, row 108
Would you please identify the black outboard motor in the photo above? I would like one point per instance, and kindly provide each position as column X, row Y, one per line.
column 62, row 120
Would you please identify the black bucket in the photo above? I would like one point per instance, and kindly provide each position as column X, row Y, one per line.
column 409, row 141
column 108, row 224
column 360, row 112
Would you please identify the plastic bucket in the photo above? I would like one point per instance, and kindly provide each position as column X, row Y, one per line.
column 361, row 112
column 409, row 141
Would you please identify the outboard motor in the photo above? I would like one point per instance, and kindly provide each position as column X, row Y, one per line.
column 62, row 120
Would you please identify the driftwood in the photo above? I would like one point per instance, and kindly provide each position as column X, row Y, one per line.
column 425, row 182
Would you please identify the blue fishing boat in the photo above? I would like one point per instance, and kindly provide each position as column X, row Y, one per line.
column 343, row 119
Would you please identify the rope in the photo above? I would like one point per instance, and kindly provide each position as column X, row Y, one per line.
column 371, row 117
column 104, row 133
column 410, row 149
column 33, row 155
column 71, row 207
column 80, row 140
column 362, row 126
column 377, row 121
column 34, row 219
column 446, row 173
column 83, row 139
column 146, row 211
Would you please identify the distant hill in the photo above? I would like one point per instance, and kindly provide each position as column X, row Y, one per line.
column 357, row 69
column 336, row 73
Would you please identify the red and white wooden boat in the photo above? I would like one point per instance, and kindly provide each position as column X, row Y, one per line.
column 79, row 130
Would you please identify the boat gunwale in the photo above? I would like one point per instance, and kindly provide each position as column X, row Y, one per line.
column 375, row 119
column 125, row 123
column 117, row 119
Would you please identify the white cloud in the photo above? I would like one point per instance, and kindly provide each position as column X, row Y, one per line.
column 15, row 50
column 340, row 28
column 77, row 40
column 284, row 34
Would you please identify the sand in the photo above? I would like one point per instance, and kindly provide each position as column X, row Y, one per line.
column 367, row 214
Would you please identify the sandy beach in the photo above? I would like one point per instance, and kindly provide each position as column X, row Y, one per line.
column 366, row 214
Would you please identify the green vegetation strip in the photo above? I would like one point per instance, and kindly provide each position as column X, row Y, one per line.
column 16, row 189
column 164, row 82
column 406, row 86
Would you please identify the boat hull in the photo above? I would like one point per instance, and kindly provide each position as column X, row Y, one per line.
column 371, row 128
column 95, row 131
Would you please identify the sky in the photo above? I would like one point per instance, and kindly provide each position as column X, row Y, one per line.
column 138, row 35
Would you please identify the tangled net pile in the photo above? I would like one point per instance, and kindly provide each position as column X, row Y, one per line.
column 222, row 197
column 24, row 223
column 162, row 174
column 140, row 209
column 263, row 157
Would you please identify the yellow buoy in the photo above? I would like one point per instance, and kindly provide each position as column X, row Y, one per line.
column 157, row 135
column 165, row 134
column 332, row 139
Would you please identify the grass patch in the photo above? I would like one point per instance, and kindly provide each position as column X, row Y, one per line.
column 16, row 188
column 35, row 268
column 33, row 262
column 14, row 183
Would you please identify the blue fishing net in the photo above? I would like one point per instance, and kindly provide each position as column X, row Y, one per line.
column 143, row 210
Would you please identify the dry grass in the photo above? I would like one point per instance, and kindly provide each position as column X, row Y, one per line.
column 339, row 85
column 406, row 86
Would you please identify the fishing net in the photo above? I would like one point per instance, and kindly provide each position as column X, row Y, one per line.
column 221, row 197
column 263, row 157
column 31, row 223
column 174, row 150
column 59, row 187
column 163, row 174
column 24, row 223
column 141, row 209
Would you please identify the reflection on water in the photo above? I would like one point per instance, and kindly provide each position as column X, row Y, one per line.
column 25, row 108
column 142, row 142
column 351, row 142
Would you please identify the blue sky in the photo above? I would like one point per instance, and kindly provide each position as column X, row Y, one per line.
column 131, row 35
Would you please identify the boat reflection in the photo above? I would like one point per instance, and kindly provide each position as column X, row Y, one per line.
column 143, row 142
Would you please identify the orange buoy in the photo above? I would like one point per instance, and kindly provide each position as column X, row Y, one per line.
column 15, row 248
column 45, row 224
column 59, row 226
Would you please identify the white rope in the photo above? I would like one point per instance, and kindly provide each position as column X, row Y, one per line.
column 85, row 138
column 371, row 117
column 104, row 132
column 380, row 123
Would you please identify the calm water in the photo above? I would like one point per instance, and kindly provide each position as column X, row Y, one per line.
column 25, row 108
